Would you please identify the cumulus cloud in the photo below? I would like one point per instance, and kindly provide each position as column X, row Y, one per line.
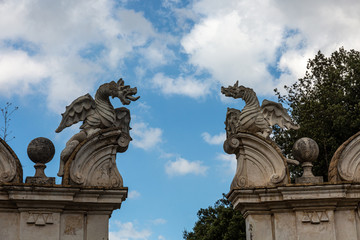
column 18, row 70
column 247, row 40
column 64, row 46
column 188, row 86
column 182, row 167
column 158, row 221
column 145, row 137
column 127, row 231
column 214, row 140
column 61, row 48
column 134, row 194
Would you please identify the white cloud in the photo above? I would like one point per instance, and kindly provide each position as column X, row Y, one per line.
column 234, row 41
column 229, row 162
column 183, row 167
column 240, row 40
column 59, row 48
column 19, row 71
column 158, row 221
column 160, row 237
column 127, row 231
column 214, row 140
column 188, row 86
column 134, row 194
column 145, row 137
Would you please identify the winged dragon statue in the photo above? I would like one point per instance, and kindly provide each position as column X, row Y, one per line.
column 96, row 114
column 254, row 118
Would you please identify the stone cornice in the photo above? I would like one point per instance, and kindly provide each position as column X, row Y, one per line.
column 25, row 196
column 296, row 196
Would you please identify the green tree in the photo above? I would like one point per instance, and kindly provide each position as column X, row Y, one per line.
column 326, row 105
column 219, row 222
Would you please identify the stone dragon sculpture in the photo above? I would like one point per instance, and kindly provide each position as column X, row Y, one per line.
column 254, row 118
column 96, row 115
column 259, row 160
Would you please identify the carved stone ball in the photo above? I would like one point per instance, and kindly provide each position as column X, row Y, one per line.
column 305, row 150
column 41, row 150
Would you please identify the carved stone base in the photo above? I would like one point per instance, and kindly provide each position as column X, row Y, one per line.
column 314, row 179
column 259, row 161
column 345, row 164
column 93, row 162
column 40, row 180
column 10, row 166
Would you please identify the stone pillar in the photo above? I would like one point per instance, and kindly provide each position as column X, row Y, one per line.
column 306, row 212
column 308, row 209
column 39, row 209
column 30, row 212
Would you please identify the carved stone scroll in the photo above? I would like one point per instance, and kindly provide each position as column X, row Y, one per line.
column 93, row 162
column 10, row 166
column 345, row 164
column 259, row 161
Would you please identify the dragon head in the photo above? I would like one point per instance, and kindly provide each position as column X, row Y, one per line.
column 124, row 93
column 235, row 91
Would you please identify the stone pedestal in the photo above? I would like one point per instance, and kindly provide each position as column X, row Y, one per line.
column 306, row 212
column 30, row 212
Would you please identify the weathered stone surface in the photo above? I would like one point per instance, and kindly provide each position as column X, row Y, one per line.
column 89, row 158
column 97, row 226
column 96, row 115
column 346, row 224
column 56, row 212
column 40, row 150
column 254, row 118
column 10, row 166
column 72, row 226
column 345, row 164
column 10, row 225
column 306, row 212
column 259, row 161
column 306, row 151
column 93, row 162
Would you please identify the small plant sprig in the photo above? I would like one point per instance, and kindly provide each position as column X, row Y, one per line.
column 7, row 111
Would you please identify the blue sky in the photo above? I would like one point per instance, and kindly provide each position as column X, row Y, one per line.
column 178, row 54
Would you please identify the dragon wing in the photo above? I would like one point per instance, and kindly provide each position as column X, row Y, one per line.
column 275, row 113
column 77, row 111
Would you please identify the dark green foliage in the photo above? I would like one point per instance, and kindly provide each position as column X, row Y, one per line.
column 219, row 222
column 326, row 104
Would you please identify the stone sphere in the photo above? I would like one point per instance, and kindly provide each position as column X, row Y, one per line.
column 41, row 150
column 305, row 150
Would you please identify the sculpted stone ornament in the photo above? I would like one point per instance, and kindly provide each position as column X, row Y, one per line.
column 306, row 151
column 259, row 161
column 10, row 166
column 254, row 118
column 89, row 156
column 345, row 164
column 40, row 150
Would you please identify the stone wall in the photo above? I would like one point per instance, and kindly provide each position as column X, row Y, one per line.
column 30, row 212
